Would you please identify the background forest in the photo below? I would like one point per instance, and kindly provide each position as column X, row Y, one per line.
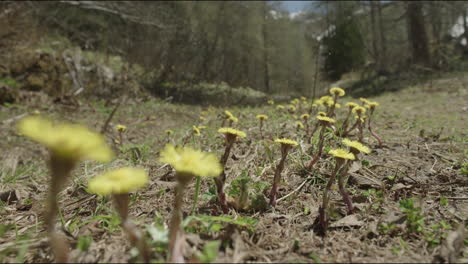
column 203, row 49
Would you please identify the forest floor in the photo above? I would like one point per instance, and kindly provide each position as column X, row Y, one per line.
column 424, row 157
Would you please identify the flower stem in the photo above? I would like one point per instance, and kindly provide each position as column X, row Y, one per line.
column 197, row 192
column 323, row 209
column 175, row 232
column 319, row 148
column 277, row 179
column 342, row 187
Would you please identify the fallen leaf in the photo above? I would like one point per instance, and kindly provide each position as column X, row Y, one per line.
column 350, row 220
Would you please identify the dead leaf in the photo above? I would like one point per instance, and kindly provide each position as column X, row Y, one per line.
column 355, row 166
column 348, row 221
column 365, row 181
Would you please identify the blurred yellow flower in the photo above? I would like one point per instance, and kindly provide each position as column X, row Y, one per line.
column 303, row 98
column 271, row 102
column 359, row 110
column 196, row 131
column 280, row 107
column 341, row 153
column 305, row 116
column 337, row 105
column 285, row 141
column 351, row 105
column 36, row 112
column 169, row 132
column 68, row 141
column 299, row 124
column 364, row 100
column 337, row 91
column 233, row 119
column 326, row 119
column 228, row 114
column 356, row 145
column 372, row 105
column 190, row 161
column 262, row 117
column 292, row 107
column 232, row 131
column 121, row 128
column 322, row 113
column 118, row 181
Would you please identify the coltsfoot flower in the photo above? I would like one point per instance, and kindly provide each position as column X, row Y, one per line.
column 337, row 91
column 356, row 146
column 69, row 141
column 118, row 181
column 228, row 114
column 262, row 117
column 232, row 131
column 285, row 141
column 196, row 131
column 169, row 132
column 351, row 105
column 326, row 119
column 341, row 153
column 233, row 119
column 305, row 116
column 271, row 102
column 190, row 161
column 364, row 100
column 121, row 128
column 372, row 105
column 299, row 124
column 359, row 110
column 281, row 107
column 322, row 113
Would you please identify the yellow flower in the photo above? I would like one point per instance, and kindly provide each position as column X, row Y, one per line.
column 228, row 114
column 68, row 141
column 121, row 128
column 233, row 119
column 191, row 161
column 337, row 91
column 294, row 116
column 322, row 113
column 271, row 102
column 36, row 112
column 262, row 117
column 232, row 131
column 299, row 124
column 318, row 102
column 292, row 107
column 372, row 105
column 341, row 153
column 169, row 132
column 202, row 118
column 364, row 100
column 356, row 145
column 280, row 107
column 303, row 98
column 201, row 127
column 305, row 116
column 328, row 103
column 337, row 105
column 359, row 110
column 203, row 113
column 285, row 141
column 326, row 99
column 119, row 181
column 196, row 131
column 326, row 119
column 351, row 105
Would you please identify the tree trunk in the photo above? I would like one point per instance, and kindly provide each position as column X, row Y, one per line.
column 417, row 34
column 375, row 45
column 382, row 68
column 266, row 73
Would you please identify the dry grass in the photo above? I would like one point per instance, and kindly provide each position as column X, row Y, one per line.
column 423, row 165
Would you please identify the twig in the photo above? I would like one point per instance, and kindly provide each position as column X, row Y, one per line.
column 296, row 190
column 106, row 124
